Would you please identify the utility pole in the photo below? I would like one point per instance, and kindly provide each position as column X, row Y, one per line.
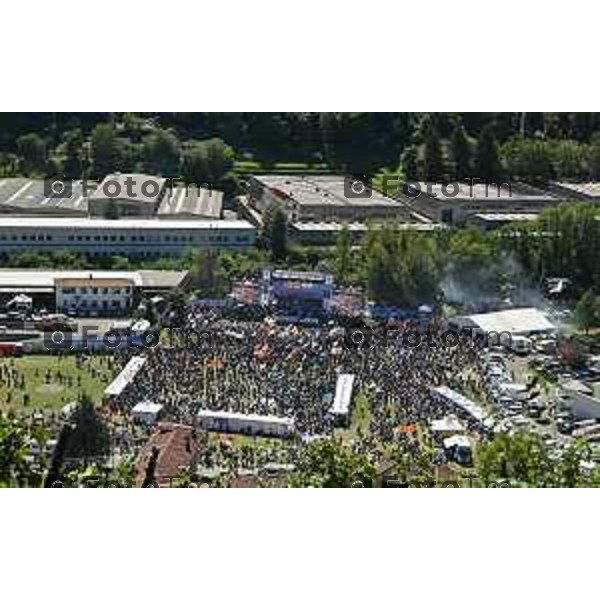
column 522, row 125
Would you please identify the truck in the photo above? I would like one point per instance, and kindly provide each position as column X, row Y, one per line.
column 519, row 344
column 11, row 349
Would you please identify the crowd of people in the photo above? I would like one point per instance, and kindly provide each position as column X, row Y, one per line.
column 291, row 371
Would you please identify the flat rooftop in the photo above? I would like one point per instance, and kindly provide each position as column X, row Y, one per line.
column 111, row 281
column 191, row 201
column 238, row 416
column 462, row 191
column 507, row 217
column 514, row 321
column 131, row 187
column 91, row 223
column 300, row 275
column 35, row 279
column 327, row 226
column 591, row 189
column 321, row 190
column 23, row 196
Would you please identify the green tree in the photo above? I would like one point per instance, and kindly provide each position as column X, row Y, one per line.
column 9, row 164
column 586, row 311
column 569, row 160
column 594, row 158
column 87, row 435
column 275, row 232
column 330, row 464
column 529, row 160
column 564, row 241
column 12, row 452
column 472, row 266
column 32, row 153
column 121, row 263
column 207, row 162
column 219, row 159
column 409, row 163
column 522, row 460
column 401, row 268
column 487, row 163
column 343, row 255
column 207, row 275
column 65, row 259
column 106, row 151
column 177, row 306
column 519, row 460
column 73, row 163
column 161, row 153
column 434, row 166
column 460, row 154
column 29, row 259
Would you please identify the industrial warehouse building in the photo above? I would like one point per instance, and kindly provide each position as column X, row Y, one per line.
column 189, row 202
column 588, row 191
column 514, row 321
column 491, row 221
column 21, row 196
column 118, row 195
column 321, row 198
column 323, row 233
column 88, row 293
column 454, row 203
column 128, row 194
column 140, row 237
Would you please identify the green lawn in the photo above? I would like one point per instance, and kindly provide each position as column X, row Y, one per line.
column 51, row 393
column 360, row 419
column 361, row 415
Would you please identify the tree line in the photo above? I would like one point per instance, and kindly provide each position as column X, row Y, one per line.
column 201, row 146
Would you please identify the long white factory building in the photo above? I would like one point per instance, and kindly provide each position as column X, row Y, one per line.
column 142, row 237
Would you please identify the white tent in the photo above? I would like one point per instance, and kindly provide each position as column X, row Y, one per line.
column 457, row 441
column 447, row 424
column 460, row 447
column 146, row 412
column 515, row 321
column 125, row 377
column 21, row 301
column 473, row 410
column 343, row 395
column 140, row 326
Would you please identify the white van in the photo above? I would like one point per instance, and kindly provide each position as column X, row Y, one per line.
column 519, row 344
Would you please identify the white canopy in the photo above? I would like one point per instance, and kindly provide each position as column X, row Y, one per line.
column 462, row 441
column 447, row 424
column 343, row 394
column 20, row 299
column 474, row 410
column 146, row 408
column 125, row 377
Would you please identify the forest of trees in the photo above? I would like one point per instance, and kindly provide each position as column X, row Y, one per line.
column 434, row 146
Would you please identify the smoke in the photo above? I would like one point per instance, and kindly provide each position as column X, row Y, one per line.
column 501, row 285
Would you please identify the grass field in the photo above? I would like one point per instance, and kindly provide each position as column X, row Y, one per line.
column 50, row 392
column 361, row 416
column 360, row 419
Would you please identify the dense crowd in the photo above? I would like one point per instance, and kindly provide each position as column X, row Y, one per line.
column 286, row 370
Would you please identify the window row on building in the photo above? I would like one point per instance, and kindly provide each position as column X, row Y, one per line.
column 145, row 237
